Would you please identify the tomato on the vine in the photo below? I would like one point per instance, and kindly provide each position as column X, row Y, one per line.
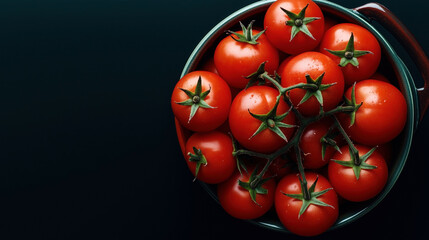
column 354, row 48
column 210, row 156
column 294, row 26
column 320, row 70
column 380, row 118
column 245, row 119
column 235, row 195
column 318, row 144
column 317, row 218
column 236, row 57
column 359, row 183
column 201, row 101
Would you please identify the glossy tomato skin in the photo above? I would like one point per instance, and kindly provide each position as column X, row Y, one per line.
column 205, row 119
column 382, row 115
column 311, row 146
column 236, row 201
column 370, row 182
column 217, row 149
column 314, row 64
column 236, row 60
column 258, row 100
column 337, row 37
column 279, row 33
column 316, row 219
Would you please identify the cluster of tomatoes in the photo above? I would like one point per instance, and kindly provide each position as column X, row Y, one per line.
column 291, row 115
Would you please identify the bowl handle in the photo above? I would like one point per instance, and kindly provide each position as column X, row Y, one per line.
column 389, row 21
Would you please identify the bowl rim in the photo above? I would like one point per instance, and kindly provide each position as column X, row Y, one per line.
column 406, row 84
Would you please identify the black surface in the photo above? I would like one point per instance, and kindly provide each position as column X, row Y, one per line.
column 88, row 146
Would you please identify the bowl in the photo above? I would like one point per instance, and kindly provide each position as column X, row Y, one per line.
column 394, row 67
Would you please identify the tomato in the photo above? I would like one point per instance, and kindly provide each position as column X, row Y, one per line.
column 356, row 67
column 315, row 65
column 370, row 182
column 311, row 144
column 212, row 109
column 316, row 219
column 212, row 156
column 259, row 100
column 236, row 60
column 236, row 200
column 381, row 117
column 308, row 29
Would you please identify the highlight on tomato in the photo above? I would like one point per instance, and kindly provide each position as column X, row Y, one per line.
column 210, row 156
column 354, row 48
column 240, row 54
column 201, row 101
column 294, row 26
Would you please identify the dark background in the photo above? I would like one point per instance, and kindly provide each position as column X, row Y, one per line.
column 87, row 141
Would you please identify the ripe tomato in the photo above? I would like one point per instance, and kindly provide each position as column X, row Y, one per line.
column 213, row 156
column 315, row 65
column 311, row 144
column 258, row 100
column 362, row 67
column 283, row 64
column 282, row 27
column 214, row 107
column 316, row 219
column 382, row 115
column 236, row 200
column 370, row 182
column 236, row 60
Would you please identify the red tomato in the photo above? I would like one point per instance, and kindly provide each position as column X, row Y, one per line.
column 217, row 163
column 370, row 182
column 313, row 64
column 258, row 100
column 283, row 64
column 218, row 100
column 382, row 115
column 236, row 200
column 330, row 22
column 311, row 145
column 236, row 60
column 316, row 219
column 280, row 34
column 336, row 39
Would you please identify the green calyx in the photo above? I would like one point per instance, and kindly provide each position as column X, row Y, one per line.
column 196, row 99
column 247, row 35
column 256, row 77
column 310, row 197
column 352, row 103
column 239, row 163
column 317, row 91
column 198, row 158
column 299, row 22
column 272, row 121
column 349, row 55
column 254, row 185
column 357, row 162
column 328, row 141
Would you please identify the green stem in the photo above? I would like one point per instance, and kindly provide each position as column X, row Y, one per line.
column 304, row 187
column 354, row 151
column 250, row 153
